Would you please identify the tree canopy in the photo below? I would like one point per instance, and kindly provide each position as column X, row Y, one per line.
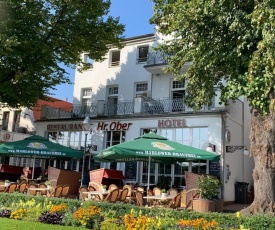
column 227, row 40
column 36, row 36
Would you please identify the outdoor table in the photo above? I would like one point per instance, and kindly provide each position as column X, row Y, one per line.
column 160, row 199
column 100, row 194
column 39, row 190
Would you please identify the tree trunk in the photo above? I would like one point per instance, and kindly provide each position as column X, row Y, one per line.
column 262, row 149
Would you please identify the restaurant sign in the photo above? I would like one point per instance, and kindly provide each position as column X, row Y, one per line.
column 116, row 125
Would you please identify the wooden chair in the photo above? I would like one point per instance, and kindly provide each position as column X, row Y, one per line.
column 43, row 193
column 57, row 191
column 139, row 198
column 157, row 191
column 141, row 189
column 112, row 187
column 22, row 187
column 95, row 185
column 113, row 196
column 173, row 191
column 91, row 188
column 32, row 192
column 150, row 201
column 175, row 203
column 123, row 195
column 187, row 197
column 11, row 188
column 129, row 195
column 65, row 191
column 83, row 196
column 2, row 188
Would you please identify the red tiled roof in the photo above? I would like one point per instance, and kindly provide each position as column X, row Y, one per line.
column 54, row 103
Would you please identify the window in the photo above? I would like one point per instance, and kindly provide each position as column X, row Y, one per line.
column 88, row 62
column 115, row 58
column 86, row 97
column 114, row 138
column 141, row 89
column 112, row 100
column 142, row 53
column 177, row 95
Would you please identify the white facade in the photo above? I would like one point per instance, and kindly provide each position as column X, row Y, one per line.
column 126, row 95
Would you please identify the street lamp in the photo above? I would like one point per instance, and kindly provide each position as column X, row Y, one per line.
column 86, row 128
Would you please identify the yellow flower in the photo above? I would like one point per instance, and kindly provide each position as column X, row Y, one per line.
column 238, row 214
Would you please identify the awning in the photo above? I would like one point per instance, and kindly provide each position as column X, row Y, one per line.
column 113, row 174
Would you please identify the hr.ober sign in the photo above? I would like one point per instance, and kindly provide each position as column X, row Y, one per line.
column 115, row 125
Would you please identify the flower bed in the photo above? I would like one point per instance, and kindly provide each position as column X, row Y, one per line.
column 93, row 215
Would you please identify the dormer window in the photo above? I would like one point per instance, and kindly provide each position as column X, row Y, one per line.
column 115, row 58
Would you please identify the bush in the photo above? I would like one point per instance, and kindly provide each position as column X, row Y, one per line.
column 51, row 218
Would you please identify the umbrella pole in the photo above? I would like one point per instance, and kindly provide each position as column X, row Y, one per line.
column 33, row 164
column 148, row 179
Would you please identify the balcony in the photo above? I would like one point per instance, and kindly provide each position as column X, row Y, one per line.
column 141, row 106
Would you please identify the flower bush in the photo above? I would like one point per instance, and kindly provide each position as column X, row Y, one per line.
column 18, row 214
column 200, row 223
column 87, row 217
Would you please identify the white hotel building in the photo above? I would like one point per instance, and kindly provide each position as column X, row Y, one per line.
column 128, row 94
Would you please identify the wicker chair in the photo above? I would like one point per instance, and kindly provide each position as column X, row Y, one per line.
column 65, row 191
column 175, row 203
column 172, row 191
column 2, row 188
column 43, row 193
column 57, row 191
column 113, row 196
column 157, row 191
column 150, row 202
column 139, row 198
column 32, row 192
column 11, row 188
column 129, row 197
column 83, row 196
column 112, row 187
column 22, row 187
column 123, row 195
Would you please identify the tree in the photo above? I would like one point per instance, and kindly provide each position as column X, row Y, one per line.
column 232, row 41
column 37, row 35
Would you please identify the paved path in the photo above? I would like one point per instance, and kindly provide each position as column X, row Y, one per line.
column 234, row 207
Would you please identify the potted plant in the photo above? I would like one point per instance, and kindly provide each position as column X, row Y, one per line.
column 104, row 187
column 163, row 192
column 7, row 182
column 49, row 183
column 208, row 193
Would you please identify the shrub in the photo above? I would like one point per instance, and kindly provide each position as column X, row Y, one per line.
column 51, row 218
column 5, row 213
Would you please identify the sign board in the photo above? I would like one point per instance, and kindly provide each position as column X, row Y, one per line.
column 130, row 171
column 215, row 169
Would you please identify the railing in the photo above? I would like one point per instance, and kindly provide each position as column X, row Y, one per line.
column 158, row 106
column 148, row 106
column 121, row 108
column 156, row 58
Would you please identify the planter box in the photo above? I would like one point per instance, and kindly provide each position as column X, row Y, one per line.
column 219, row 205
column 204, row 205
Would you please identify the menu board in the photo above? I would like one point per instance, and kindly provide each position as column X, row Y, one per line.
column 215, row 168
column 130, row 171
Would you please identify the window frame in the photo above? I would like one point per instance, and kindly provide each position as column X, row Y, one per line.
column 143, row 58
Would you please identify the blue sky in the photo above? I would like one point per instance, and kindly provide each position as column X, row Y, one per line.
column 135, row 14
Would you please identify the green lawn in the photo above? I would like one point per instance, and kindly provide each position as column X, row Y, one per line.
column 8, row 224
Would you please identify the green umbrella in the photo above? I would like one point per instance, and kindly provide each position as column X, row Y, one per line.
column 155, row 148
column 38, row 147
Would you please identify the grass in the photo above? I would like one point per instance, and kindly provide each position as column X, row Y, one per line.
column 10, row 224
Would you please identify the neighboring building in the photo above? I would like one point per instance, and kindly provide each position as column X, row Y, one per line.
column 128, row 94
column 17, row 124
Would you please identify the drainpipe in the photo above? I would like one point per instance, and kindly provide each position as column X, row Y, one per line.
column 223, row 128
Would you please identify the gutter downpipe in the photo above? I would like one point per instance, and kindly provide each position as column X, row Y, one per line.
column 223, row 128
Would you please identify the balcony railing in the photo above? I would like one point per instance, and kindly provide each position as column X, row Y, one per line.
column 156, row 58
column 121, row 108
column 102, row 108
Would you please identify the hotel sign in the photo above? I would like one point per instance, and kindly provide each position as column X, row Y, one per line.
column 171, row 123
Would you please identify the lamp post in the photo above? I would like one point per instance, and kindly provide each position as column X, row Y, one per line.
column 86, row 129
